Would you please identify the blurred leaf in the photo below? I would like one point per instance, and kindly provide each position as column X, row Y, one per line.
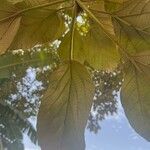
column 65, row 108
column 8, row 30
column 9, row 62
column 143, row 58
column 136, row 13
column 135, row 96
column 105, row 103
column 114, row 5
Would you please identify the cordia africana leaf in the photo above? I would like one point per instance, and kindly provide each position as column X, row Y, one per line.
column 8, row 30
column 40, row 23
column 114, row 5
column 135, row 96
column 100, row 53
column 131, row 24
column 136, row 13
column 96, row 45
column 65, row 108
column 15, row 1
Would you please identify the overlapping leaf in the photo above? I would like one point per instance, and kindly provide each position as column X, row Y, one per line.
column 9, row 28
column 114, row 5
column 135, row 95
column 65, row 108
column 26, row 23
column 10, row 62
column 137, row 14
column 111, row 25
column 97, row 46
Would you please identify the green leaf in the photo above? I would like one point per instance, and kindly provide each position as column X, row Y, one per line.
column 96, row 46
column 114, row 5
column 137, row 14
column 143, row 58
column 15, row 1
column 131, row 24
column 135, row 96
column 40, row 22
column 116, row 1
column 65, row 108
column 8, row 29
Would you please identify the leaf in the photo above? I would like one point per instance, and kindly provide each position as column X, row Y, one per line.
column 8, row 31
column 10, row 62
column 96, row 46
column 114, row 5
column 131, row 24
column 9, row 28
column 65, row 108
column 41, row 22
column 135, row 97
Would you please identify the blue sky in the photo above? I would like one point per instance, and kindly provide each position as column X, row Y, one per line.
column 116, row 134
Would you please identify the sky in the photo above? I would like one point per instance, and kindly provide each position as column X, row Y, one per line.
column 116, row 134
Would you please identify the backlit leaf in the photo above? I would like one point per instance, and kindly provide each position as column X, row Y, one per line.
column 135, row 97
column 96, row 46
column 132, row 26
column 143, row 58
column 136, row 13
column 114, row 5
column 40, row 23
column 9, row 28
column 65, row 108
